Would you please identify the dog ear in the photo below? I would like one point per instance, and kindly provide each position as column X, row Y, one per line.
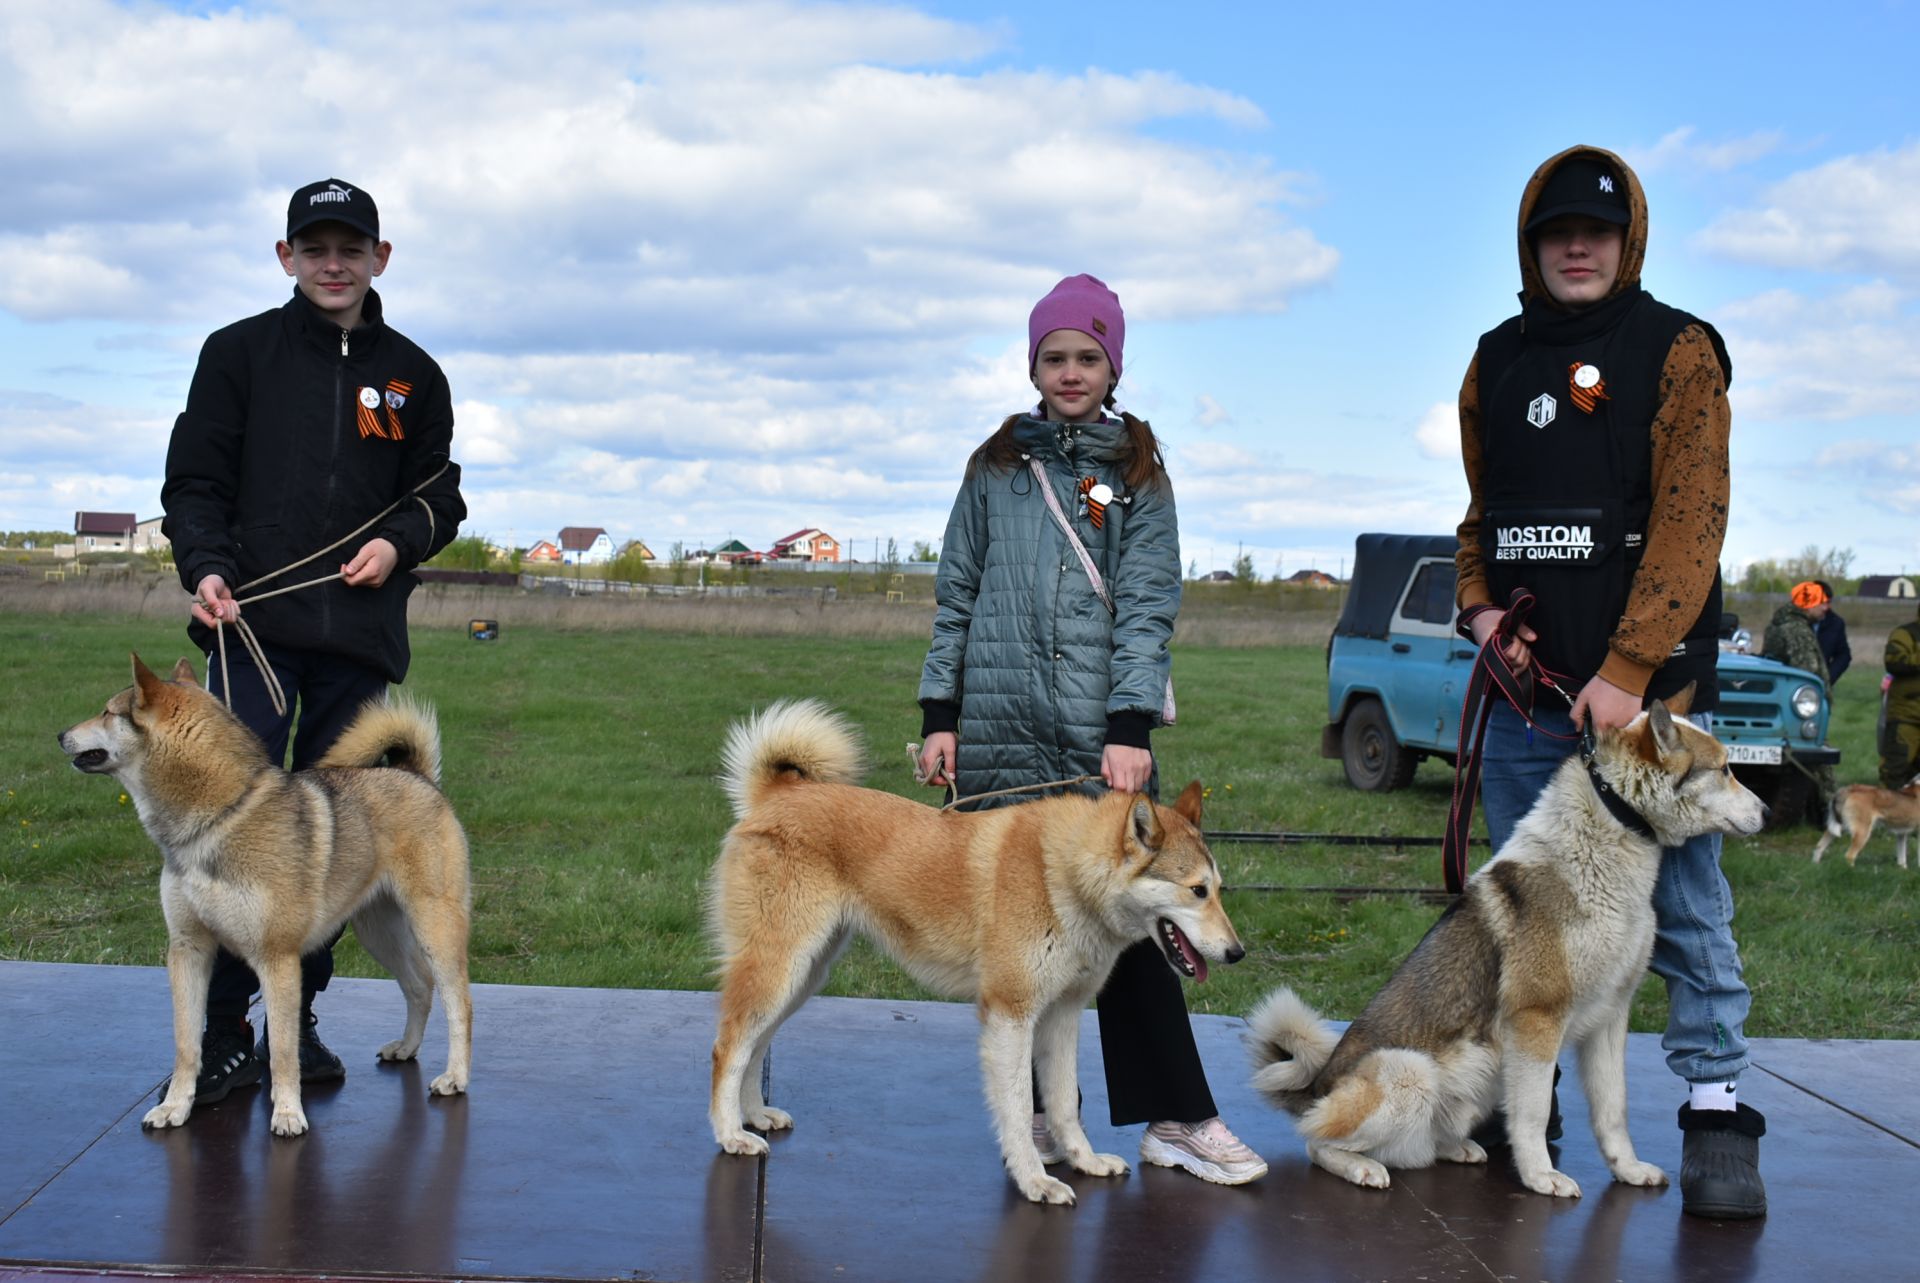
column 1188, row 803
column 145, row 684
column 1660, row 725
column 1146, row 824
column 183, row 672
column 1680, row 703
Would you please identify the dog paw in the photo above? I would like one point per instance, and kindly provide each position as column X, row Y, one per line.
column 399, row 1049
column 1365, row 1171
column 1467, row 1151
column 744, row 1143
column 168, row 1114
column 1558, row 1184
column 1638, row 1173
column 289, row 1120
column 448, row 1084
column 769, row 1119
column 1099, row 1164
column 1045, row 1189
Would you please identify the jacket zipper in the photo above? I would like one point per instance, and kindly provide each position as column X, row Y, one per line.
column 333, row 469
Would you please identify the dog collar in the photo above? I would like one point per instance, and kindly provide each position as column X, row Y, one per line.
column 1617, row 806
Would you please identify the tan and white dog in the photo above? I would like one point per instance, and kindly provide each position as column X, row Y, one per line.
column 1544, row 948
column 1858, row 807
column 1024, row 909
column 270, row 864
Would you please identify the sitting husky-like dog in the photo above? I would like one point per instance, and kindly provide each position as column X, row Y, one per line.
column 1545, row 947
column 1024, row 909
column 270, row 865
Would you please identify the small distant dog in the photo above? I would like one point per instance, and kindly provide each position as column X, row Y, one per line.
column 1858, row 807
column 1545, row 947
column 270, row 865
column 1024, row 909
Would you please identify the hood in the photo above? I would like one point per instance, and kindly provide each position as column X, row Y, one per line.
column 1632, row 255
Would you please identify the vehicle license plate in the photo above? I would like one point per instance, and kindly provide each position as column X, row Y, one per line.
column 1754, row 754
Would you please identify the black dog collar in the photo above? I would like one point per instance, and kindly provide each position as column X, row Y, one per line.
column 1617, row 806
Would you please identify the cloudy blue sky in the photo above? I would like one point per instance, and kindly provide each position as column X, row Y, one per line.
column 700, row 271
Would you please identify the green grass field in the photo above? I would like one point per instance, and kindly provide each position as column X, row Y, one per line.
column 583, row 762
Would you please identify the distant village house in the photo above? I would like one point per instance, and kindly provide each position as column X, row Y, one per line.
column 1886, row 586
column 585, row 546
column 104, row 531
column 811, row 544
column 543, row 550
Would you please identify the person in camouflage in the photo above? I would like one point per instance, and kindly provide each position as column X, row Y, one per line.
column 1900, row 729
column 1792, row 641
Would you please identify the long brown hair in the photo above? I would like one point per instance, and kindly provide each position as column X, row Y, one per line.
column 1141, row 466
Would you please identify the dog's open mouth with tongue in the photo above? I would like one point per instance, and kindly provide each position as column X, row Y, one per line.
column 1181, row 954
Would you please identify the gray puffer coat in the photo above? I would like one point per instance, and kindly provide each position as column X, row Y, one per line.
column 1022, row 644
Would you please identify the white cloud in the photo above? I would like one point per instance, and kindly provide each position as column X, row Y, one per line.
column 1856, row 214
column 1438, row 432
column 1209, row 413
column 1843, row 355
column 1681, row 150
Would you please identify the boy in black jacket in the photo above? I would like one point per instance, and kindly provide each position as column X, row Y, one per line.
column 302, row 424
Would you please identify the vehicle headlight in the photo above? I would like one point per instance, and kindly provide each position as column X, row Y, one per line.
column 1806, row 701
column 1809, row 729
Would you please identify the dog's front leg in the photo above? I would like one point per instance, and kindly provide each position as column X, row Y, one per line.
column 1056, row 1045
column 1006, row 1065
column 280, row 984
column 1530, row 1044
column 189, row 968
column 1603, row 1068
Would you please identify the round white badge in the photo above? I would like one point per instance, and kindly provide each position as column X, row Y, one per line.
column 370, row 398
column 1586, row 376
column 1102, row 493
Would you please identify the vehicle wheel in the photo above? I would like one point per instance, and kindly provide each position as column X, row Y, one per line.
column 1788, row 799
column 1373, row 759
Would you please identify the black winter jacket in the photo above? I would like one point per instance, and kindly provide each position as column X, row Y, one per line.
column 278, row 454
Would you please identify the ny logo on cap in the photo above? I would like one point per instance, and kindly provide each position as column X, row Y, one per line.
column 1540, row 411
column 1606, row 183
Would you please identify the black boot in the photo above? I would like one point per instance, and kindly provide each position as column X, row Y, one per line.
column 317, row 1063
column 1720, row 1163
column 1493, row 1131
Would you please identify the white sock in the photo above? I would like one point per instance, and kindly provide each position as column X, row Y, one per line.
column 1711, row 1095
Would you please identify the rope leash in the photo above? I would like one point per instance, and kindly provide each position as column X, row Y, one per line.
column 919, row 777
column 276, row 694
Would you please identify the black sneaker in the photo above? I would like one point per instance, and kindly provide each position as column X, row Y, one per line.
column 317, row 1064
column 226, row 1062
column 1720, row 1163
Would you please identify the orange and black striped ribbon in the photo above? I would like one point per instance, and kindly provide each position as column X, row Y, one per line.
column 1096, row 512
column 405, row 389
column 1585, row 398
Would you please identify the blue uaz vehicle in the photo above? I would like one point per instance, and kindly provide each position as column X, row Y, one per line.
column 1397, row 671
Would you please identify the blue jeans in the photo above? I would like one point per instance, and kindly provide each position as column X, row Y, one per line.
column 1693, row 948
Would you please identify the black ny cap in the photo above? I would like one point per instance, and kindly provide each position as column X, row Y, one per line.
column 332, row 201
column 1582, row 185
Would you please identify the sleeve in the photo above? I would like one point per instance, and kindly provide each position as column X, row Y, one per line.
column 1688, row 523
column 418, row 530
column 1842, row 657
column 1146, row 600
column 956, row 586
column 1903, row 652
column 203, row 465
column 1470, row 569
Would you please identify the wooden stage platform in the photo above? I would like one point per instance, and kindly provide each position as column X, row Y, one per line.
column 583, row 1152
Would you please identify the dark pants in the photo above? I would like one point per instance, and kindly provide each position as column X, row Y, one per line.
column 1154, row 1074
column 327, row 691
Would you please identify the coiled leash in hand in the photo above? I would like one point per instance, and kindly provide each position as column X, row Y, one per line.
column 1493, row 678
column 919, row 777
column 275, row 693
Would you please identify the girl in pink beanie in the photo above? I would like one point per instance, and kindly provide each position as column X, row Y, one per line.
column 1037, row 674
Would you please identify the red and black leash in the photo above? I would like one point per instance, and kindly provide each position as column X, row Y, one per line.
column 1493, row 678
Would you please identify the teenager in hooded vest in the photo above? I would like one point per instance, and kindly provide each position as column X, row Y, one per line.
column 1593, row 430
column 1030, row 678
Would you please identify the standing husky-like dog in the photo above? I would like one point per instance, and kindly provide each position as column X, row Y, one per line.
column 1545, row 947
column 270, row 864
column 1858, row 807
column 1024, row 909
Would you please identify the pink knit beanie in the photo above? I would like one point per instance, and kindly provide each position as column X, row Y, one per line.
column 1081, row 303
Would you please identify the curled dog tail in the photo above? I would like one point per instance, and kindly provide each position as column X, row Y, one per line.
column 803, row 737
column 396, row 731
column 1290, row 1044
column 1835, row 823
